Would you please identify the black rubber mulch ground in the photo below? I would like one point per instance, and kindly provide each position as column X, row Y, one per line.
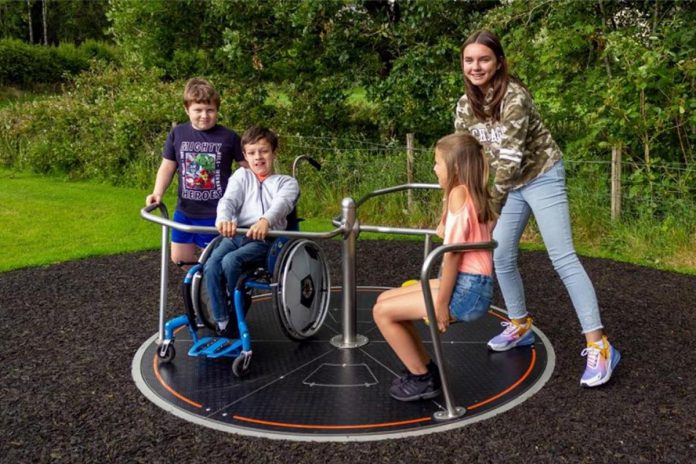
column 70, row 331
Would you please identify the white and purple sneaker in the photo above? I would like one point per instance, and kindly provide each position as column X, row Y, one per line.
column 602, row 359
column 515, row 334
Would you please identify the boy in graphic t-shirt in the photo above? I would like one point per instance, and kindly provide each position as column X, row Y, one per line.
column 202, row 152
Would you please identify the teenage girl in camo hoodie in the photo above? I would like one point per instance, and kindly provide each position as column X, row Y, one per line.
column 529, row 179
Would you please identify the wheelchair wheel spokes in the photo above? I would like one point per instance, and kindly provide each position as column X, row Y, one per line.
column 301, row 296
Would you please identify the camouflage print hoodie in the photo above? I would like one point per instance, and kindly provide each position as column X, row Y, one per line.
column 519, row 147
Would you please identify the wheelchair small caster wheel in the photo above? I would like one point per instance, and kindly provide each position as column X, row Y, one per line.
column 240, row 365
column 167, row 353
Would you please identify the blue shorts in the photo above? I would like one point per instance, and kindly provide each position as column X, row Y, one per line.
column 471, row 296
column 201, row 240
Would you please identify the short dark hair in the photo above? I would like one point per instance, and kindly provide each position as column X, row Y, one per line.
column 256, row 133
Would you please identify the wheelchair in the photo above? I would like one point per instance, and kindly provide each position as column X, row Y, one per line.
column 295, row 273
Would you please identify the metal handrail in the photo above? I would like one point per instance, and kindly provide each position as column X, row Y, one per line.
column 427, row 233
column 396, row 188
column 384, row 191
column 348, row 226
column 452, row 411
column 165, row 221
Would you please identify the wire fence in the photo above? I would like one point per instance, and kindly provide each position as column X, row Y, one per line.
column 356, row 165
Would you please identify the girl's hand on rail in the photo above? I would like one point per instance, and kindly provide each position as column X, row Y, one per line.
column 442, row 314
column 227, row 228
column 440, row 231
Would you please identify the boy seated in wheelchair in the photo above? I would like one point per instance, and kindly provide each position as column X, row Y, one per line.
column 258, row 199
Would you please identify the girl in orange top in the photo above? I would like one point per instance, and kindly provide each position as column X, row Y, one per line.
column 465, row 288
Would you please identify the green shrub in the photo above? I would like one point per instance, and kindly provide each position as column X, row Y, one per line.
column 110, row 125
column 100, row 51
column 26, row 65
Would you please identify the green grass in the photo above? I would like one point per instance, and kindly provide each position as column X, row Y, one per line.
column 47, row 220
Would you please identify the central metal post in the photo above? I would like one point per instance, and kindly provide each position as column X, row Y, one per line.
column 349, row 338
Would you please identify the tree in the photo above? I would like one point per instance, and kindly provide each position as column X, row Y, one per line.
column 72, row 21
column 44, row 22
column 13, row 19
column 31, row 27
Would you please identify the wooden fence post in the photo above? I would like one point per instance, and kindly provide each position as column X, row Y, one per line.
column 616, row 181
column 409, row 169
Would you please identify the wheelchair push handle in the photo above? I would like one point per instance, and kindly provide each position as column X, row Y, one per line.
column 307, row 158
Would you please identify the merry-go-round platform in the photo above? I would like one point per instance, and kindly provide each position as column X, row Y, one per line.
column 314, row 391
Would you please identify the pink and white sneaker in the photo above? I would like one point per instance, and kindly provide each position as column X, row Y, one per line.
column 515, row 334
column 602, row 359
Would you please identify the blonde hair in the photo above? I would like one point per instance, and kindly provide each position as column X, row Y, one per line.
column 467, row 165
column 199, row 90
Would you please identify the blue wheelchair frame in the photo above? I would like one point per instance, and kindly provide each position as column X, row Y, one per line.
column 250, row 280
column 221, row 346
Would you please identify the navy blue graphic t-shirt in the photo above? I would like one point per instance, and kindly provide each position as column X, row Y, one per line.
column 205, row 165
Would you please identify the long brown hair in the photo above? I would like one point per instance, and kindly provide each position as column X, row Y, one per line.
column 500, row 79
column 467, row 165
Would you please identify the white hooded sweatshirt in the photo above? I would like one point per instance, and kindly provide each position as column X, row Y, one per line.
column 246, row 199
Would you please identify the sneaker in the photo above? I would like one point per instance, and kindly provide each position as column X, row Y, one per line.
column 513, row 335
column 231, row 331
column 416, row 387
column 432, row 369
column 601, row 362
column 401, row 379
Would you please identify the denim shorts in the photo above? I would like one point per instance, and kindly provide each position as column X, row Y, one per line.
column 201, row 240
column 471, row 297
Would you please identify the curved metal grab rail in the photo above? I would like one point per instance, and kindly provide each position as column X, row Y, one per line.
column 452, row 411
column 396, row 188
column 166, row 223
column 427, row 233
column 384, row 191
column 164, row 220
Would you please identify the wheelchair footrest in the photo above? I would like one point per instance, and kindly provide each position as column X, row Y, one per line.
column 210, row 347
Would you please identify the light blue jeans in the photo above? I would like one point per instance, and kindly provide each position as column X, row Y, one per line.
column 546, row 197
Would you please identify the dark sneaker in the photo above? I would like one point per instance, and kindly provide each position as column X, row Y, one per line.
column 401, row 378
column 416, row 387
column 432, row 369
column 231, row 331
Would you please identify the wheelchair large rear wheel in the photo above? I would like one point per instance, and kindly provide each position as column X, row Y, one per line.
column 202, row 305
column 301, row 289
column 201, row 300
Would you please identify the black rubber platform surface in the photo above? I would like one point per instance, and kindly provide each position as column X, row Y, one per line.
column 70, row 333
column 313, row 390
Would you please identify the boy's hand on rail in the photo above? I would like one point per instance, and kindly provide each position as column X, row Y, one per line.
column 227, row 228
column 259, row 230
column 152, row 199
